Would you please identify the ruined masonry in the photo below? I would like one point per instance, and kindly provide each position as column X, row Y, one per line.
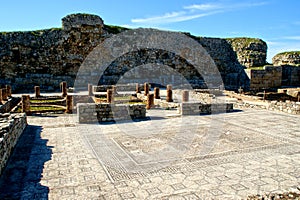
column 48, row 57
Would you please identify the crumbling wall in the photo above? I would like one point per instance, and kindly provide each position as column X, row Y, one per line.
column 48, row 57
column 268, row 77
column 11, row 127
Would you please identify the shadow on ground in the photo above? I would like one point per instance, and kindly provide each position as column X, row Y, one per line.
column 22, row 175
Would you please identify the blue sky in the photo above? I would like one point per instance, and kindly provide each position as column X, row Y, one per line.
column 275, row 21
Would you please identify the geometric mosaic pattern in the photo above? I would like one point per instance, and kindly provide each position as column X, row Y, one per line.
column 252, row 152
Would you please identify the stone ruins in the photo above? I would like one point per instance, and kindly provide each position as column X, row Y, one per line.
column 45, row 62
column 48, row 57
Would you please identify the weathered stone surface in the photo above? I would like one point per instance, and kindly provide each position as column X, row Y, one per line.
column 146, row 89
column 69, row 104
column 185, row 96
column 250, row 52
column 26, row 103
column 48, row 57
column 268, row 77
column 291, row 58
column 63, row 86
column 91, row 112
column 9, row 104
column 11, row 127
column 37, row 91
column 290, row 107
column 77, row 21
column 195, row 108
column 156, row 93
column 290, row 75
column 150, row 101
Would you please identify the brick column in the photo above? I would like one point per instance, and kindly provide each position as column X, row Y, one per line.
column 150, row 101
column 169, row 94
column 146, row 89
column 26, row 104
column 185, row 96
column 4, row 94
column 137, row 88
column 37, row 91
column 110, row 96
column 90, row 90
column 156, row 93
column 8, row 89
column 69, row 104
column 63, row 86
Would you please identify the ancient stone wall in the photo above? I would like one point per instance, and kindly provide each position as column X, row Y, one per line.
column 290, row 75
column 196, row 108
column 9, row 104
column 290, row 107
column 11, row 127
column 291, row 58
column 91, row 112
column 269, row 77
column 48, row 57
column 251, row 52
column 225, row 58
column 127, row 87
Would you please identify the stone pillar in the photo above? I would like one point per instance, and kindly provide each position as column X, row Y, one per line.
column 150, row 101
column 137, row 88
column 1, row 97
column 156, row 93
column 114, row 89
column 185, row 96
column 90, row 89
column 146, row 88
column 8, row 89
column 4, row 94
column 26, row 104
column 69, row 104
column 240, row 90
column 110, row 96
column 37, row 91
column 169, row 94
column 63, row 86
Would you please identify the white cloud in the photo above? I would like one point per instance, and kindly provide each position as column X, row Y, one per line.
column 203, row 7
column 191, row 12
column 166, row 18
column 171, row 18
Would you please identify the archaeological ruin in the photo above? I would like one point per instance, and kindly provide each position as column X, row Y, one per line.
column 77, row 88
column 48, row 57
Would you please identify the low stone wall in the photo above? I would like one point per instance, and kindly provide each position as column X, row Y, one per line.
column 125, row 87
column 290, row 75
column 287, row 106
column 196, row 108
column 294, row 92
column 11, row 127
column 9, row 105
column 270, row 77
column 91, row 112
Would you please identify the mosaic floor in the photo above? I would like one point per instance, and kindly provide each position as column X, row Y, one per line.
column 224, row 156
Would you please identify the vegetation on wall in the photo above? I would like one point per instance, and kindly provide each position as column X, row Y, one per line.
column 114, row 29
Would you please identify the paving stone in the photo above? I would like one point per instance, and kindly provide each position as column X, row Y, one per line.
column 65, row 160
